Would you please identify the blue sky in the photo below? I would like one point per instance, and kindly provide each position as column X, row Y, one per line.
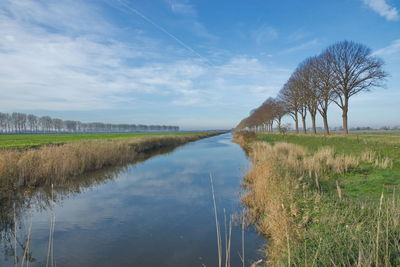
column 199, row 64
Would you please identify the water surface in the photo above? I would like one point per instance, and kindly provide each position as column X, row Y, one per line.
column 155, row 213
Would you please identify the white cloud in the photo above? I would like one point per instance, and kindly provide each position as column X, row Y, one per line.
column 73, row 67
column 393, row 48
column 383, row 9
column 53, row 70
column 300, row 47
column 182, row 8
column 68, row 16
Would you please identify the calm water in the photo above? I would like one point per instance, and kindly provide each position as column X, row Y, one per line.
column 155, row 213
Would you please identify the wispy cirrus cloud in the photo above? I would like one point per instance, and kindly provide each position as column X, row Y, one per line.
column 383, row 9
column 299, row 47
column 188, row 19
column 264, row 34
column 182, row 8
column 58, row 62
column 393, row 48
column 299, row 34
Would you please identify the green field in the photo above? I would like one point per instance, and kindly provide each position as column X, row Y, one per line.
column 363, row 182
column 376, row 132
column 36, row 140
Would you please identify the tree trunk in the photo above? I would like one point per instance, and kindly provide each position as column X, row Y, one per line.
column 296, row 122
column 278, row 123
column 303, row 119
column 345, row 109
column 326, row 126
column 314, row 125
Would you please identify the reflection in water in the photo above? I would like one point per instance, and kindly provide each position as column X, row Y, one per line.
column 156, row 213
column 17, row 204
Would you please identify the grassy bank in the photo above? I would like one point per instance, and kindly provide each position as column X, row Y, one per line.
column 325, row 201
column 36, row 140
column 33, row 167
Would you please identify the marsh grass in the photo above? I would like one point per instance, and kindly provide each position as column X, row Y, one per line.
column 291, row 198
column 47, row 164
column 26, row 141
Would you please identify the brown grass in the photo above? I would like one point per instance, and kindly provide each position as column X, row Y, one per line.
column 378, row 161
column 303, row 225
column 269, row 193
column 244, row 138
column 49, row 163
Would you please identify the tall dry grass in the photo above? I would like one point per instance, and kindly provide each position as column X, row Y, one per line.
column 307, row 227
column 378, row 161
column 49, row 163
column 244, row 139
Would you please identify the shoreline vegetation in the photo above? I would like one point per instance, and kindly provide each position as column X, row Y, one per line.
column 20, row 168
column 324, row 201
column 28, row 141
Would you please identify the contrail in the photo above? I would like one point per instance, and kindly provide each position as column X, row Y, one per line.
column 140, row 14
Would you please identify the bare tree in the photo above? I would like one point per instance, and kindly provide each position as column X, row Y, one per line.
column 58, row 124
column 15, row 121
column 325, row 84
column 23, row 120
column 306, row 81
column 46, row 123
column 32, row 122
column 278, row 111
column 3, row 122
column 296, row 83
column 355, row 70
column 71, row 126
column 263, row 117
column 8, row 123
column 289, row 97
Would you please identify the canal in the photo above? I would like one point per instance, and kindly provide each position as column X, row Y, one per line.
column 158, row 212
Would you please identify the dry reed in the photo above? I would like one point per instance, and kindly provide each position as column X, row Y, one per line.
column 48, row 163
column 378, row 161
column 304, row 227
column 228, row 232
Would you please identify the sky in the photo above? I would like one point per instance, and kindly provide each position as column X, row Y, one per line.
column 199, row 64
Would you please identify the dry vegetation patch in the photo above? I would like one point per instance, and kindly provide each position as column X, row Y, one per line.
column 33, row 167
column 309, row 226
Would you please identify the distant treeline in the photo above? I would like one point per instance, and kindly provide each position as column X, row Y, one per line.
column 29, row 123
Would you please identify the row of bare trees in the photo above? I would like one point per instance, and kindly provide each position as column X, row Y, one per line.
column 341, row 71
column 29, row 123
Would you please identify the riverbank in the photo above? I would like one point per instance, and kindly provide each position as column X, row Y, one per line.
column 325, row 201
column 27, row 141
column 49, row 163
column 156, row 212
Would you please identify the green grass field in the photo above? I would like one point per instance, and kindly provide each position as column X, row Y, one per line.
column 376, row 132
column 36, row 140
column 366, row 180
